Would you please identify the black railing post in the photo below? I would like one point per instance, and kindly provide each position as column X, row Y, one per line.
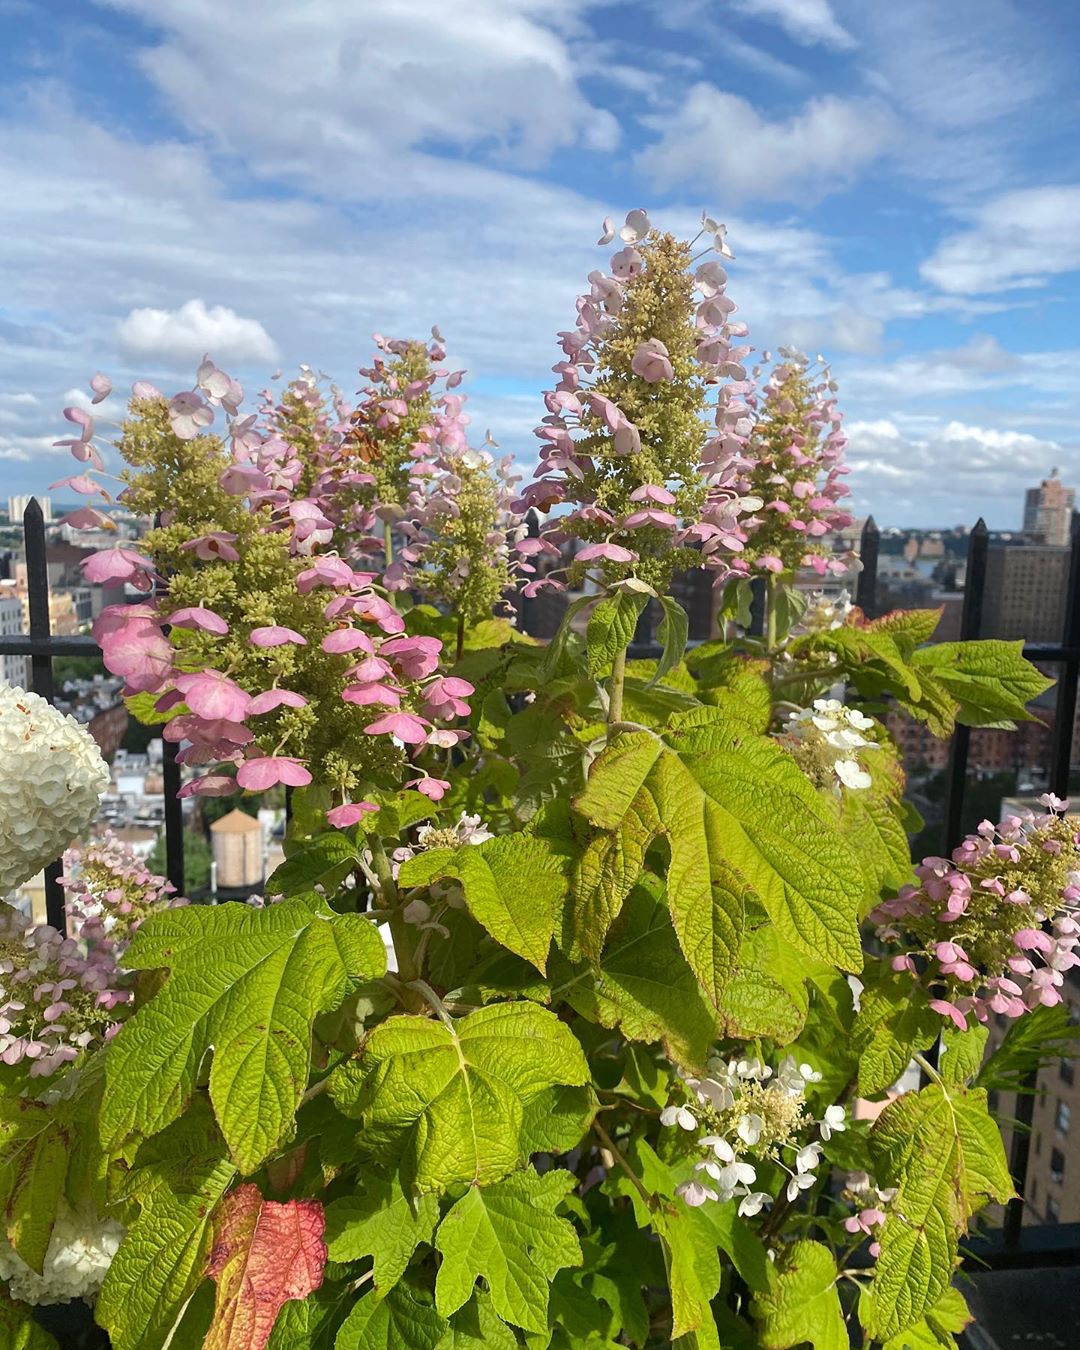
column 970, row 627
column 174, row 814
column 866, row 588
column 41, row 671
column 1069, row 678
column 757, row 607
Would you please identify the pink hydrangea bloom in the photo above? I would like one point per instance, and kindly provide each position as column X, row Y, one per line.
column 256, row 775
column 217, row 544
column 341, row 817
column 199, row 617
column 406, row 727
column 214, row 696
column 275, row 635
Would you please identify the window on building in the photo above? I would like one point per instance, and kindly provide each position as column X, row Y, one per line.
column 1063, row 1117
column 1057, row 1166
column 1053, row 1210
column 1067, row 1071
column 1038, row 1144
column 1032, row 1192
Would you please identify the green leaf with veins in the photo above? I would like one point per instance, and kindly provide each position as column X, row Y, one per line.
column 477, row 1325
column 248, row 984
column 672, row 634
column 509, row 1235
column 392, row 1323
column 33, row 1167
column 448, row 1102
column 381, row 1222
column 802, row 1305
column 514, row 885
column 178, row 1180
column 893, row 1022
column 612, row 626
column 942, row 1151
column 325, row 860
column 643, row 985
column 19, row 1331
column 990, row 680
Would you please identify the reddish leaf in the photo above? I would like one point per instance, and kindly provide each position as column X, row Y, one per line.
column 263, row 1255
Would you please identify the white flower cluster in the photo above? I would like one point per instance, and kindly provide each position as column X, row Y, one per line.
column 822, row 614
column 80, row 1251
column 52, row 777
column 827, row 738
column 748, row 1112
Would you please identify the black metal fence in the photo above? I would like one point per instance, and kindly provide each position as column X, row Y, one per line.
column 1017, row 1244
column 42, row 646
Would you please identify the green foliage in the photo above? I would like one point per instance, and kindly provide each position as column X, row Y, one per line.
column 178, row 1180
column 447, row 1102
column 643, row 984
column 382, row 1222
column 509, row 1235
column 19, row 1331
column 942, row 1151
column 611, row 627
column 499, row 1138
column 522, row 917
column 33, row 1165
column 248, row 984
column 1044, row 1035
column 801, row 1303
column 403, row 1318
column 894, row 1022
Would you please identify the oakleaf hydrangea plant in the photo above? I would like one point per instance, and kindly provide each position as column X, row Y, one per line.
column 560, row 1019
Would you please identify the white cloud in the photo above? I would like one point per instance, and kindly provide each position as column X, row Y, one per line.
column 718, row 140
column 974, row 83
column 807, row 21
column 949, row 472
column 357, row 90
column 29, row 450
column 184, row 334
column 1019, row 239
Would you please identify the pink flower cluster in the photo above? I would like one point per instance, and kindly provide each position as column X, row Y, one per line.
column 790, row 470
column 565, row 468
column 391, row 679
column 110, row 892
column 993, row 929
column 391, row 441
column 55, row 1001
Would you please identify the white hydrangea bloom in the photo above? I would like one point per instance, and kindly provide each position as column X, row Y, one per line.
column 52, row 778
column 828, row 740
column 80, row 1251
column 822, row 614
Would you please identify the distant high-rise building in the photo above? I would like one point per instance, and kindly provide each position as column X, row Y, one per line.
column 1048, row 511
column 17, row 508
column 1025, row 591
column 12, row 668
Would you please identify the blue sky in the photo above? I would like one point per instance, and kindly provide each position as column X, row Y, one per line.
column 274, row 182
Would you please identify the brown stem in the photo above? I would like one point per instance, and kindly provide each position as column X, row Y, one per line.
column 620, row 1159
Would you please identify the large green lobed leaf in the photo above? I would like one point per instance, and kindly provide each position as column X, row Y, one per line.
column 248, row 985
column 447, row 1102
